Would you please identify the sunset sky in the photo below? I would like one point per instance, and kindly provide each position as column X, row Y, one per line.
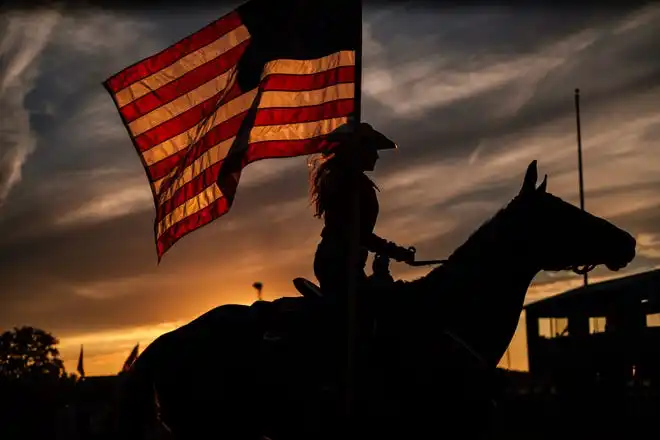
column 470, row 95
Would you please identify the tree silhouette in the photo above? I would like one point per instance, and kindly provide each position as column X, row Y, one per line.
column 34, row 386
column 29, row 353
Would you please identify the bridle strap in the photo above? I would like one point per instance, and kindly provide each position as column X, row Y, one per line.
column 583, row 270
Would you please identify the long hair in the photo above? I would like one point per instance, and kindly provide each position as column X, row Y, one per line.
column 320, row 168
column 324, row 168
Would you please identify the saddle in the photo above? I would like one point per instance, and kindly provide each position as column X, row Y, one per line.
column 381, row 277
column 307, row 317
column 288, row 318
column 307, row 288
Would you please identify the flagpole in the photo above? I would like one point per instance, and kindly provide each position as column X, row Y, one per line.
column 579, row 145
column 352, row 340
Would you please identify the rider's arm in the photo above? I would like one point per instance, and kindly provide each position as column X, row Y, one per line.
column 376, row 244
column 339, row 216
column 369, row 239
column 379, row 245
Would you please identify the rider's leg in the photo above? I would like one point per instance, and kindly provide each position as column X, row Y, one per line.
column 330, row 269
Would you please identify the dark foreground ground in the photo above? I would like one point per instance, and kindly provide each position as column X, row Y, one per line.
column 526, row 409
column 535, row 411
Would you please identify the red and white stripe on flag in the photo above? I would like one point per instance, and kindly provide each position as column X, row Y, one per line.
column 183, row 109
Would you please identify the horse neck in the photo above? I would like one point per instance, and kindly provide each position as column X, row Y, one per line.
column 494, row 274
column 481, row 291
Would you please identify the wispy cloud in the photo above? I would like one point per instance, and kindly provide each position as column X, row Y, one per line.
column 648, row 245
column 619, row 169
column 260, row 172
column 125, row 335
column 551, row 287
column 25, row 37
column 105, row 351
column 641, row 17
column 411, row 88
column 111, row 198
column 101, row 290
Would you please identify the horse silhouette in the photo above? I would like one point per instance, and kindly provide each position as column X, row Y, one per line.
column 270, row 369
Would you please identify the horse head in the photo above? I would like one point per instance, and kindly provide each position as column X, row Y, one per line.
column 479, row 293
column 567, row 237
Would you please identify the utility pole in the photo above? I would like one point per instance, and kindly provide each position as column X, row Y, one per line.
column 579, row 144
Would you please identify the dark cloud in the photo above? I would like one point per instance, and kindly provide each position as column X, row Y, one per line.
column 474, row 35
column 456, row 128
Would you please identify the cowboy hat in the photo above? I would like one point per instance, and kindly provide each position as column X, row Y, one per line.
column 364, row 135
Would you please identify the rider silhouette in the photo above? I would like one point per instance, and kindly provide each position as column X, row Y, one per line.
column 331, row 183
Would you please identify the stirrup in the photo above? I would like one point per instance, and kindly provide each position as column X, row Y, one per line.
column 307, row 288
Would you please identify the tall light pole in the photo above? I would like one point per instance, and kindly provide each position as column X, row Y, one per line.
column 579, row 143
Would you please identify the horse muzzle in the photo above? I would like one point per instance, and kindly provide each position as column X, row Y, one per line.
column 624, row 254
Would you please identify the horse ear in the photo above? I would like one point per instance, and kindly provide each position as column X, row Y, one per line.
column 544, row 185
column 529, row 184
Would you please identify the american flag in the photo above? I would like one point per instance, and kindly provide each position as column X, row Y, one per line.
column 80, row 368
column 270, row 79
column 131, row 358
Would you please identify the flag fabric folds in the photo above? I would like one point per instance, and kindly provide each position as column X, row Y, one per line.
column 270, row 79
column 128, row 363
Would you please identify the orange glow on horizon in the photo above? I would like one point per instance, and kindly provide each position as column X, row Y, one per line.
column 105, row 351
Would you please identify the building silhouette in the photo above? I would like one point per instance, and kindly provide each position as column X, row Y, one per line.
column 608, row 331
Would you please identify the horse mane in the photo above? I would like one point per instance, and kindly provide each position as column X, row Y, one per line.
column 478, row 237
column 476, row 240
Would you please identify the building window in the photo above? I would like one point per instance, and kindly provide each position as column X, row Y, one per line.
column 553, row 327
column 545, row 327
column 560, row 327
column 653, row 320
column 597, row 324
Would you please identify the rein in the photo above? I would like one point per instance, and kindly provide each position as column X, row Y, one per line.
column 416, row 263
column 578, row 269
column 426, row 263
